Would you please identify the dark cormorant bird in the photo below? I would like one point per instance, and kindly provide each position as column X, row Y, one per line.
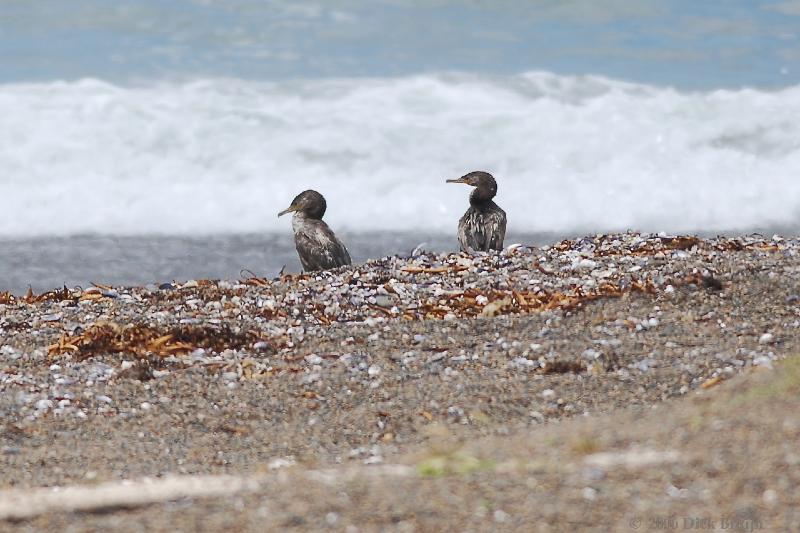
column 316, row 244
column 483, row 226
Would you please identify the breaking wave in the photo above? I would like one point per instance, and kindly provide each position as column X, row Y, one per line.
column 225, row 155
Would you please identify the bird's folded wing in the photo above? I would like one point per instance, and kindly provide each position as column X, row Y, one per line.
column 319, row 248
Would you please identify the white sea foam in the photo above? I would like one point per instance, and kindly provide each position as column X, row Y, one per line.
column 569, row 153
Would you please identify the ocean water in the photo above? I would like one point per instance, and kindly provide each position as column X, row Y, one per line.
column 570, row 153
column 44, row 263
column 149, row 141
column 683, row 43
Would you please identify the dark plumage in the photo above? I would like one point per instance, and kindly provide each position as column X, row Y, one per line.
column 316, row 244
column 483, row 226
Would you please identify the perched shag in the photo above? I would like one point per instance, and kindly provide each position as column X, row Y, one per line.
column 316, row 244
column 483, row 226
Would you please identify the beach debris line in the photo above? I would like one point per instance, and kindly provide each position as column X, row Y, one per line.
column 466, row 304
column 176, row 319
column 141, row 340
column 64, row 294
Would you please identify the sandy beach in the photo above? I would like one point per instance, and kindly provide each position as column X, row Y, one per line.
column 612, row 382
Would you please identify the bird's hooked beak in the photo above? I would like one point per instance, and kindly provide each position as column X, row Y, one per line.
column 459, row 180
column 289, row 209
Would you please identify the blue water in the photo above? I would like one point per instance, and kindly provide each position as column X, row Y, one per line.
column 150, row 140
column 688, row 44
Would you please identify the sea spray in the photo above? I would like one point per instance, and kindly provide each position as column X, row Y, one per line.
column 225, row 155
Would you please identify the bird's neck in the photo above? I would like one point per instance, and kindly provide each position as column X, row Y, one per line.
column 302, row 221
column 305, row 215
column 482, row 197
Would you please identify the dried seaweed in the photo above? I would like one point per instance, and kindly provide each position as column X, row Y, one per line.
column 64, row 294
column 56, row 295
column 706, row 281
column 143, row 341
column 563, row 367
column 666, row 244
column 433, row 270
column 681, row 242
column 466, row 305
column 256, row 282
column 205, row 290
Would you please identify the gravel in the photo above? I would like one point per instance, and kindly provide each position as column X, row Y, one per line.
column 355, row 368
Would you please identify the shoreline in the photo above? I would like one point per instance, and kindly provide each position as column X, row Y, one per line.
column 48, row 263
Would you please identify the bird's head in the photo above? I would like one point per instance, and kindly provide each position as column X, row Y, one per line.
column 310, row 203
column 481, row 180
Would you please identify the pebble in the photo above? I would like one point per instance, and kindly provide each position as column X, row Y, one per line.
column 675, row 492
column 763, row 361
column 313, row 359
column 584, row 264
column 281, row 462
column 770, row 497
column 591, row 354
